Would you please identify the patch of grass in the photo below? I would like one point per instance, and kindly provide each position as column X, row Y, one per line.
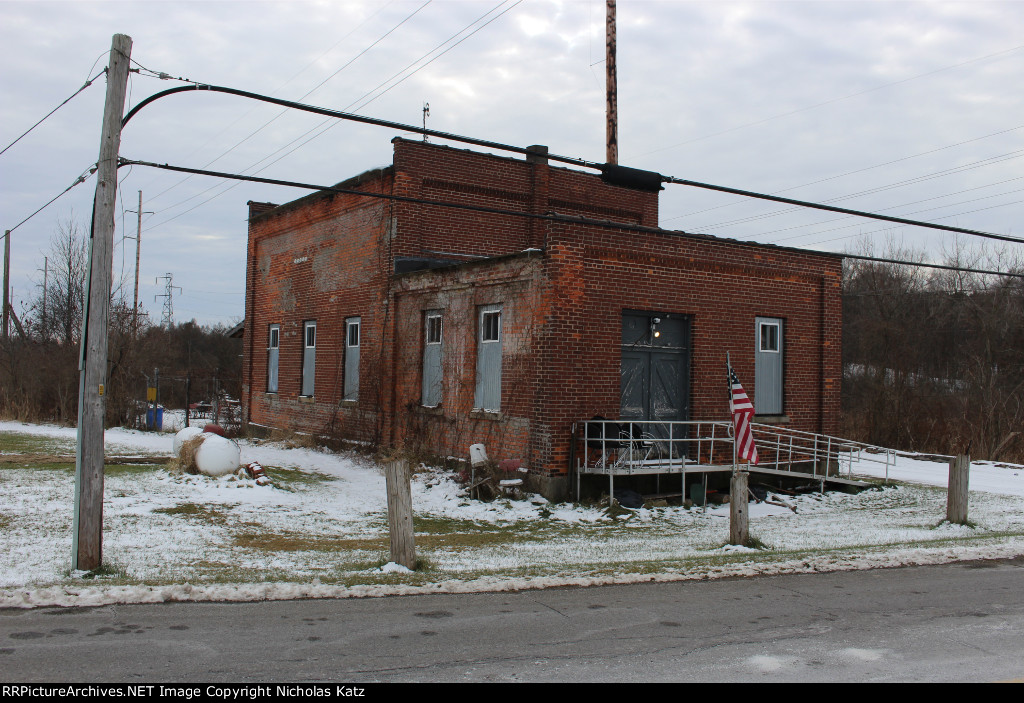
column 471, row 540
column 130, row 469
column 21, row 443
column 294, row 480
column 106, row 571
column 946, row 523
column 433, row 524
column 755, row 543
column 294, row 440
column 270, row 542
column 195, row 511
column 616, row 511
column 30, row 465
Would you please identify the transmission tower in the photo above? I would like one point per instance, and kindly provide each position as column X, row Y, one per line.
column 167, row 295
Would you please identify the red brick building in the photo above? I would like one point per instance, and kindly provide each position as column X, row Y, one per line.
column 407, row 323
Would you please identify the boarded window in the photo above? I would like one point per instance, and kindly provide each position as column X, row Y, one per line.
column 432, row 374
column 353, row 339
column 768, row 366
column 273, row 349
column 488, row 359
column 308, row 356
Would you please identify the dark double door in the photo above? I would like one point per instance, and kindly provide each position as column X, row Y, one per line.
column 655, row 369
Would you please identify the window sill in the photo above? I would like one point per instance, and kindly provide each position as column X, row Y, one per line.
column 306, row 399
column 346, row 403
column 478, row 414
column 772, row 419
column 430, row 409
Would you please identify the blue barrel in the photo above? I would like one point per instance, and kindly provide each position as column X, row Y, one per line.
column 159, row 424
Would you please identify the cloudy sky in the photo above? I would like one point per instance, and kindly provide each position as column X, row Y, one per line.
column 907, row 108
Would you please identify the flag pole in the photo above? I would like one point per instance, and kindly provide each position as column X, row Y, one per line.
column 732, row 423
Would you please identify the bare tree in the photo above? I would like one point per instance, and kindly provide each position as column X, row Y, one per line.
column 934, row 360
column 58, row 305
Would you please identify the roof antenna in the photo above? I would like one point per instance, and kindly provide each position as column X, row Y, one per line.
column 426, row 112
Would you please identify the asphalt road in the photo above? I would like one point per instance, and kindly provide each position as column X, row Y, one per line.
column 957, row 622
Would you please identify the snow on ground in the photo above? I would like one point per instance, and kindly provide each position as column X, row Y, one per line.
column 987, row 476
column 320, row 530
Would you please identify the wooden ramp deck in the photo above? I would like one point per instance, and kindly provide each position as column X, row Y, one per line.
column 630, row 448
column 664, row 467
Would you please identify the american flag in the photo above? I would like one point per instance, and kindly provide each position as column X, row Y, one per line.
column 742, row 411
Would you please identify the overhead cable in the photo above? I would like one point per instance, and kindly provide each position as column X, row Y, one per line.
column 323, row 127
column 551, row 217
column 86, row 85
column 833, row 100
column 999, row 158
column 943, row 267
column 845, row 211
column 853, row 172
column 555, row 157
column 81, row 179
column 303, row 97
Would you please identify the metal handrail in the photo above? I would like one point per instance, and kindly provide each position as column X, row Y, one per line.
column 619, row 442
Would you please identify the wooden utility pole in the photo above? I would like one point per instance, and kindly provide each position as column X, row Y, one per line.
column 87, row 538
column 739, row 518
column 138, row 249
column 403, row 545
column 7, row 283
column 956, row 494
column 46, row 284
column 612, row 100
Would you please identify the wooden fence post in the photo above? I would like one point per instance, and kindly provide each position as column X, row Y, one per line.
column 738, row 516
column 398, row 478
column 956, row 494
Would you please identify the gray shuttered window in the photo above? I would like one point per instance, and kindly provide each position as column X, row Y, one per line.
column 308, row 357
column 273, row 350
column 488, row 359
column 768, row 366
column 433, row 377
column 353, row 334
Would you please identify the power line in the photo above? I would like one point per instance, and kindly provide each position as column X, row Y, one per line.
column 610, row 170
column 833, row 100
column 915, row 212
column 349, row 106
column 878, row 189
column 875, row 231
column 845, row 211
column 420, row 68
column 72, row 96
column 892, row 207
column 550, row 217
column 81, row 179
column 942, row 267
column 303, row 97
column 855, row 171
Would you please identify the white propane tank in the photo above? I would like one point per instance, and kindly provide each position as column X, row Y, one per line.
column 217, row 456
column 183, row 436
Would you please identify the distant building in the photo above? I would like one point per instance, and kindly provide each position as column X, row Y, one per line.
column 408, row 323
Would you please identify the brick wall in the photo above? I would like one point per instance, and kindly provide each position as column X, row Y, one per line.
column 321, row 258
column 328, row 257
column 459, row 292
column 721, row 286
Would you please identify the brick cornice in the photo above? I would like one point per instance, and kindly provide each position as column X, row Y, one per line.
column 776, row 271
